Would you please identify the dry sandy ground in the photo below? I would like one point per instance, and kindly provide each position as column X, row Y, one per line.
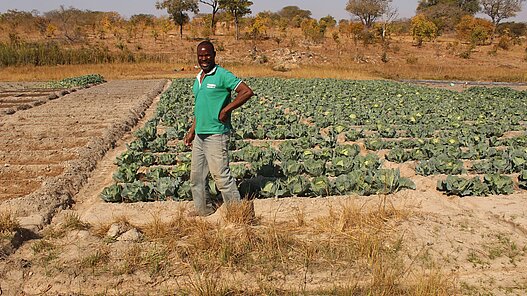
column 479, row 242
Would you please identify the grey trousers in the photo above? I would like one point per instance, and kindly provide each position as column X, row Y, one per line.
column 210, row 153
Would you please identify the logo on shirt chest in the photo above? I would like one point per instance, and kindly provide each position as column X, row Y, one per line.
column 210, row 85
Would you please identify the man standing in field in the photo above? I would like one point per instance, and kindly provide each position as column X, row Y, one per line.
column 209, row 134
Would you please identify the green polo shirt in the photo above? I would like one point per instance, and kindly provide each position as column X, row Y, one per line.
column 210, row 96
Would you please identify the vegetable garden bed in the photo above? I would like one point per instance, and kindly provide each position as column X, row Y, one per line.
column 318, row 137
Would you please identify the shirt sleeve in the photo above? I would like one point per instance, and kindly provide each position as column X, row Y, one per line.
column 231, row 82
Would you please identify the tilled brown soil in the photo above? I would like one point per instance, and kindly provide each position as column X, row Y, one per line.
column 17, row 96
column 48, row 151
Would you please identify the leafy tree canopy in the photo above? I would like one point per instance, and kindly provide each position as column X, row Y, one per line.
column 446, row 14
column 467, row 6
column 368, row 10
column 177, row 9
column 294, row 11
column 499, row 10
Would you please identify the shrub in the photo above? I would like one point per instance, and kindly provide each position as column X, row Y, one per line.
column 493, row 52
column 513, row 29
column 423, row 29
column 411, row 60
column 367, row 37
column 466, row 54
column 313, row 30
column 505, row 42
column 474, row 30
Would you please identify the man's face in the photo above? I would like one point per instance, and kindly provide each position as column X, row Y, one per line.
column 206, row 58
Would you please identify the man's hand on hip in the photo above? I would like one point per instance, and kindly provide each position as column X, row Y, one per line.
column 189, row 137
column 223, row 116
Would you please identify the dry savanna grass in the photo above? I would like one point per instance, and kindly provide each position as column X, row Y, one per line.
column 166, row 70
column 239, row 213
column 424, row 69
column 72, row 221
column 428, row 69
column 8, row 222
column 354, row 249
column 444, row 59
column 439, row 60
column 101, row 229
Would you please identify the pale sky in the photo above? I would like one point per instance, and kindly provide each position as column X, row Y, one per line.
column 127, row 8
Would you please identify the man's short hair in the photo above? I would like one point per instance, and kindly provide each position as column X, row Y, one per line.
column 206, row 43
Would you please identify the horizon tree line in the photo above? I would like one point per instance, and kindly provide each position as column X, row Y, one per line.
column 437, row 15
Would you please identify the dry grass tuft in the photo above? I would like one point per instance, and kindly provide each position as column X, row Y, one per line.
column 131, row 260
column 100, row 257
column 240, row 213
column 434, row 282
column 8, row 223
column 300, row 217
column 101, row 229
column 41, row 245
column 73, row 222
column 54, row 232
column 156, row 229
column 206, row 284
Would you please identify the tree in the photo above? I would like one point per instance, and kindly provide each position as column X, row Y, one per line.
column 42, row 24
column 165, row 25
column 446, row 14
column 293, row 15
column 68, row 20
column 237, row 9
column 177, row 10
column 260, row 25
column 423, row 29
column 388, row 17
column 516, row 30
column 215, row 5
column 141, row 22
column 14, row 18
column 467, row 6
column 328, row 22
column 499, row 10
column 292, row 11
column 111, row 22
column 367, row 10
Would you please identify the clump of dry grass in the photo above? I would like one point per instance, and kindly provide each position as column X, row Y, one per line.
column 101, row 229
column 100, row 257
column 300, row 217
column 8, row 223
column 72, row 221
column 156, row 228
column 239, row 213
column 206, row 284
column 131, row 260
column 434, row 282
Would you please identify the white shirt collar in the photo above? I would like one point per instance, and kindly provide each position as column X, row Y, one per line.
column 209, row 73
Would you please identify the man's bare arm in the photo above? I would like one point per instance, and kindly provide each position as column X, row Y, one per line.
column 189, row 137
column 244, row 93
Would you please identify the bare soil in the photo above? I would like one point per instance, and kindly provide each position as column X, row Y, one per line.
column 17, row 96
column 48, row 151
